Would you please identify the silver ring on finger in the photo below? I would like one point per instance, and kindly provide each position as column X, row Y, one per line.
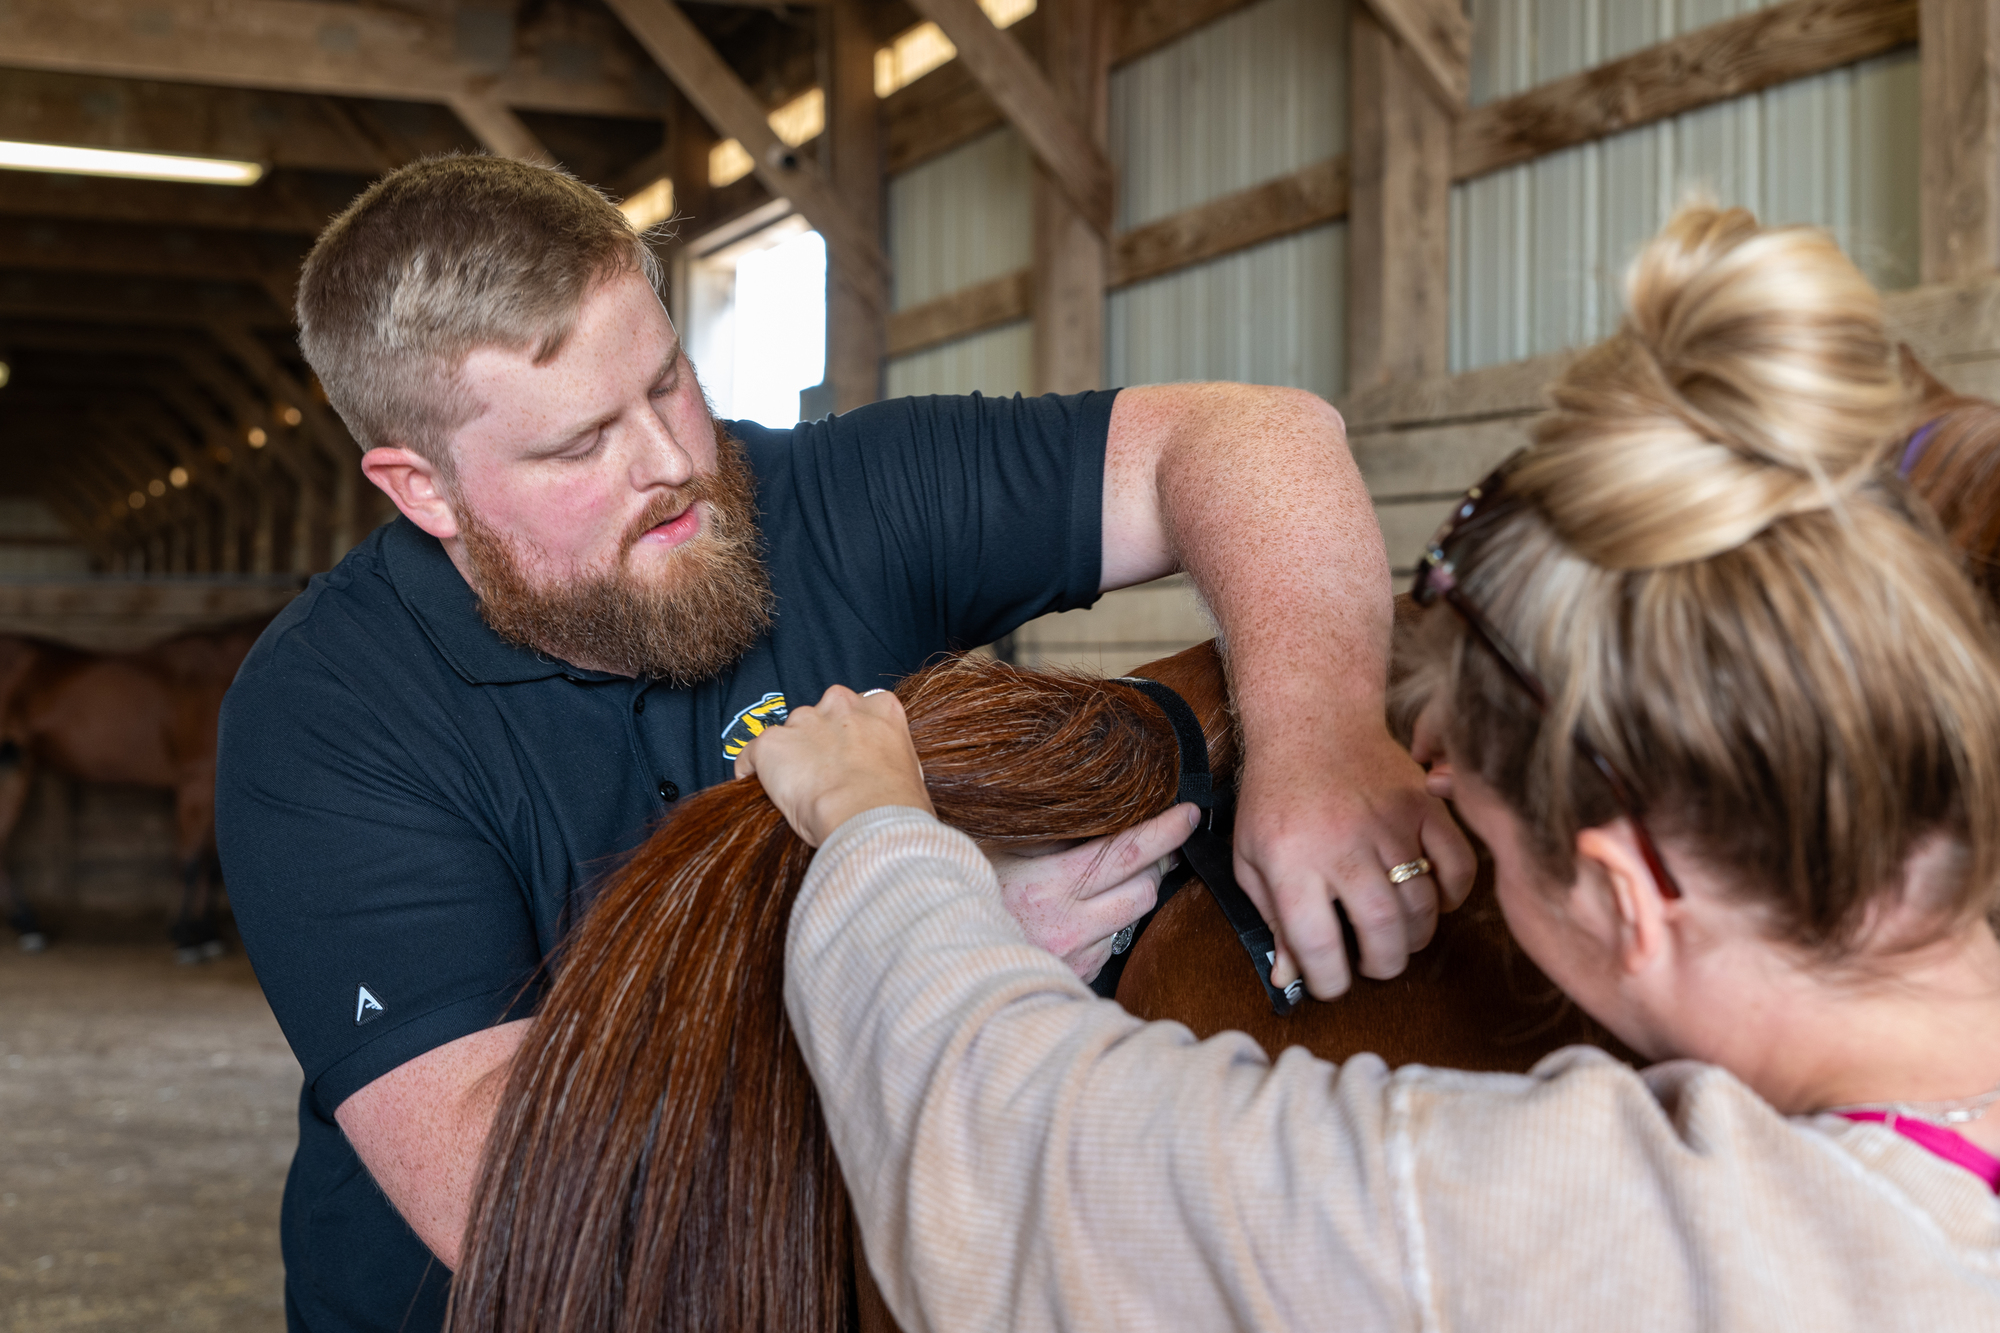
column 1122, row 940
column 1409, row 870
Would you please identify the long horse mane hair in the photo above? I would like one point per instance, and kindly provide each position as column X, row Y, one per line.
column 658, row 1160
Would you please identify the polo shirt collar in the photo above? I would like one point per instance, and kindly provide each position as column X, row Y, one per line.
column 430, row 585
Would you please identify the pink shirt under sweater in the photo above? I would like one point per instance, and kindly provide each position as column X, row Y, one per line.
column 1946, row 1143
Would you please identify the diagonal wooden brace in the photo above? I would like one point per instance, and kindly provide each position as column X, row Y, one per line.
column 1028, row 100
column 727, row 104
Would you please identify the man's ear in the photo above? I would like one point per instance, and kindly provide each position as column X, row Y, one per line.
column 412, row 481
column 1634, row 909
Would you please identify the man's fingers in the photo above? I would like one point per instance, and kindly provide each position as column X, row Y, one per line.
column 1376, row 910
column 1453, row 863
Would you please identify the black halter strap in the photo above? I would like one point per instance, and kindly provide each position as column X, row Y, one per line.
column 1197, row 782
column 1209, row 851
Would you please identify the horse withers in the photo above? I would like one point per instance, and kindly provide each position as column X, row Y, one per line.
column 144, row 718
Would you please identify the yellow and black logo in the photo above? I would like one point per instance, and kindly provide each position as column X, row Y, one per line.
column 749, row 724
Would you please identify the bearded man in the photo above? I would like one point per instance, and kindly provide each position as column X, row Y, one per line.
column 596, row 595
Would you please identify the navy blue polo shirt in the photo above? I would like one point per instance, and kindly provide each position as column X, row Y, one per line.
column 409, row 808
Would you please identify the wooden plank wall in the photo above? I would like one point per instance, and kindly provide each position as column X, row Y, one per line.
column 1421, row 441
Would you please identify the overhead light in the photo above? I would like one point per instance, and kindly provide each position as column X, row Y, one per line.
column 291, row 415
column 257, row 437
column 156, row 488
column 179, row 477
column 6, row 373
column 117, row 162
column 136, row 499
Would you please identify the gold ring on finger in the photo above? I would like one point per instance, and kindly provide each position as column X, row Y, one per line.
column 1409, row 870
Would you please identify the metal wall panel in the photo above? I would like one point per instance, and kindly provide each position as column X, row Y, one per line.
column 1538, row 250
column 994, row 362
column 1274, row 314
column 1254, row 95
column 960, row 219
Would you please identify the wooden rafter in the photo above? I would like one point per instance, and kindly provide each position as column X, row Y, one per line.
column 701, row 73
column 1029, row 102
column 496, row 126
column 1439, row 37
column 298, row 45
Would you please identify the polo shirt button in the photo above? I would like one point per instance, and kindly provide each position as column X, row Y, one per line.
column 668, row 791
column 639, row 704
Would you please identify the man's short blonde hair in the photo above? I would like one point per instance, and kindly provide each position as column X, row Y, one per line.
column 440, row 258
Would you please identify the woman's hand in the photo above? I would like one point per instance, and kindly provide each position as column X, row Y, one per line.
column 830, row 762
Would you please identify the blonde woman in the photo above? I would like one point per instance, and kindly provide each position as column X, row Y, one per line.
column 1728, row 716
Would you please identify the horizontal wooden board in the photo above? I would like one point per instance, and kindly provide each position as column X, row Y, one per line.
column 964, row 312
column 1429, row 461
column 1309, row 197
column 1712, row 64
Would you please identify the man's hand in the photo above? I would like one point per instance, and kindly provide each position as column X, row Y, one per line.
column 1316, row 827
column 1071, row 900
column 845, row 755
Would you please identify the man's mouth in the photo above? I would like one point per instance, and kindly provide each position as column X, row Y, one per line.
column 676, row 530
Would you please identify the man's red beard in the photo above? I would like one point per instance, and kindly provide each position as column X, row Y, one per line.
column 700, row 614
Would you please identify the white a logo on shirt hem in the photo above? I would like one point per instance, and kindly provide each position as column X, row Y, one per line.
column 366, row 1007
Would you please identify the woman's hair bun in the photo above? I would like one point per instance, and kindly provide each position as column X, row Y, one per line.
column 1752, row 380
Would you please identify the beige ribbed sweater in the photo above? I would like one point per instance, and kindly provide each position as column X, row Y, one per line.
column 1024, row 1155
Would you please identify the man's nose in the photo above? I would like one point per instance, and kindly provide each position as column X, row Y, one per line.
column 659, row 460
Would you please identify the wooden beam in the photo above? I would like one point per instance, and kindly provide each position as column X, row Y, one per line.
column 732, row 109
column 1033, row 103
column 156, row 252
column 1310, row 197
column 277, row 129
column 1399, row 222
column 496, row 126
column 1438, row 35
column 104, row 298
column 947, row 107
column 967, row 311
column 1712, row 64
column 857, row 299
column 303, row 46
column 1072, row 262
column 1959, row 222
column 270, row 205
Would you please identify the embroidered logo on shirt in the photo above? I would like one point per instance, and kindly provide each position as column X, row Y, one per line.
column 366, row 1007
column 749, row 724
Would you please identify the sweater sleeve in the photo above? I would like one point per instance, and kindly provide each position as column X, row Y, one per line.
column 1024, row 1155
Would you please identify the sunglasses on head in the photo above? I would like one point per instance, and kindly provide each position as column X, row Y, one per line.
column 1437, row 580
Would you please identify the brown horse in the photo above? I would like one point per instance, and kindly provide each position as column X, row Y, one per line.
column 658, row 1160
column 146, row 718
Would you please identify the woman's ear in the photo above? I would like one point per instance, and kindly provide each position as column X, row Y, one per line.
column 412, row 482
column 1633, row 909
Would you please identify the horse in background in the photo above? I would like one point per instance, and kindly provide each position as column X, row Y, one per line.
column 144, row 718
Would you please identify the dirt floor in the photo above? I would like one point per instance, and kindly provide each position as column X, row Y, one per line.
column 146, row 1122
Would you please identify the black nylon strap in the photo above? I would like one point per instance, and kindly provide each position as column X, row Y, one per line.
column 1197, row 783
column 1209, row 850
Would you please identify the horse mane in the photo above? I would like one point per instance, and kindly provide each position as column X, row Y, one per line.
column 1956, row 469
column 658, row 1160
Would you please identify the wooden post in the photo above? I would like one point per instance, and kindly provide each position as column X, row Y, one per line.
column 264, row 536
column 304, row 518
column 1960, row 133
column 857, row 298
column 1072, row 259
column 1399, row 215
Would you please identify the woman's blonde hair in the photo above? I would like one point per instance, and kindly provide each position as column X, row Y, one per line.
column 1709, row 561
